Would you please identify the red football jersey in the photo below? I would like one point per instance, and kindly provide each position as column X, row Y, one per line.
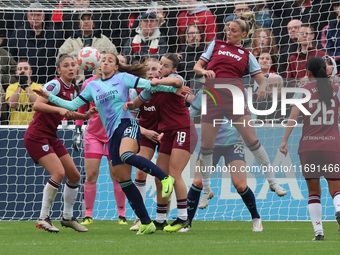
column 320, row 130
column 148, row 117
column 172, row 112
column 229, row 61
column 45, row 124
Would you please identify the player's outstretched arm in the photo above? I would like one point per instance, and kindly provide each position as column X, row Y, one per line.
column 42, row 93
column 168, row 81
column 294, row 114
column 69, row 105
column 81, row 116
column 41, row 105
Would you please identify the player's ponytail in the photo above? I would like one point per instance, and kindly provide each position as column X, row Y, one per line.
column 76, row 87
column 135, row 69
column 317, row 67
column 174, row 58
column 249, row 18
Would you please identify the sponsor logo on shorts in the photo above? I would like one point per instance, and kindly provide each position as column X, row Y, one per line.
column 46, row 147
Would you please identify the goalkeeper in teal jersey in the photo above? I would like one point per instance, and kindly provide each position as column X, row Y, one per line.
column 228, row 145
column 109, row 95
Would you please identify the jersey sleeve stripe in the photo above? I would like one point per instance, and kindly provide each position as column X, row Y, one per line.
column 84, row 99
column 256, row 72
column 194, row 107
column 204, row 59
column 136, row 83
column 142, row 98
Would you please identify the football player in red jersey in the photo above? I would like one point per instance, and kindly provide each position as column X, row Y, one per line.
column 45, row 148
column 178, row 142
column 319, row 148
column 229, row 60
column 179, row 139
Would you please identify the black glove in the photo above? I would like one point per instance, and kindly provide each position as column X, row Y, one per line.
column 77, row 137
column 23, row 80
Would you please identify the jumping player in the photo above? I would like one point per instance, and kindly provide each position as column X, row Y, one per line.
column 46, row 149
column 319, row 148
column 229, row 146
column 228, row 59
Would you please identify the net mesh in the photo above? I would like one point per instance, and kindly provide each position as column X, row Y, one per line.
column 22, row 181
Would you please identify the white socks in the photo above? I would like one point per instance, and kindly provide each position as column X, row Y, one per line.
column 315, row 212
column 206, row 161
column 263, row 160
column 336, row 201
column 49, row 193
column 70, row 195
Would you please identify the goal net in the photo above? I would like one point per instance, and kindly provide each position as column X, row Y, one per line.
column 273, row 38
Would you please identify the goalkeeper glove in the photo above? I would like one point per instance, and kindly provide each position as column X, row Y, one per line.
column 76, row 137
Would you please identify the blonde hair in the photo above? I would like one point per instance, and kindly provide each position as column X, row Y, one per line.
column 249, row 18
column 151, row 60
column 244, row 23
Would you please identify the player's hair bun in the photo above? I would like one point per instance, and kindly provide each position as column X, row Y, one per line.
column 175, row 58
column 179, row 56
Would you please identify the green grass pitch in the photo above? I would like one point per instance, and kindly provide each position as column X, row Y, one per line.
column 206, row 237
